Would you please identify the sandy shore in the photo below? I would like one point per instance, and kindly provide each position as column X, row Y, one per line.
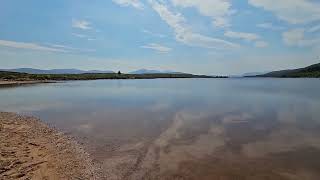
column 29, row 149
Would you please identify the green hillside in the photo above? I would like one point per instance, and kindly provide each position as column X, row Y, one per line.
column 312, row 71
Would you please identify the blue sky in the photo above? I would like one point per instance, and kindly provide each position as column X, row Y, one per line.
column 196, row 36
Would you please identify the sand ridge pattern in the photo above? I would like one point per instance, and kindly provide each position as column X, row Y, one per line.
column 29, row 149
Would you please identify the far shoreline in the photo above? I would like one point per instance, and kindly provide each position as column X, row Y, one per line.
column 5, row 83
column 8, row 79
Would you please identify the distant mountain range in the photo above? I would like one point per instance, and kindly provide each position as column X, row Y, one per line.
column 54, row 71
column 78, row 71
column 150, row 71
column 310, row 71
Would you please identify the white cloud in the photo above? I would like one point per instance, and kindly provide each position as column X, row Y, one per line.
column 314, row 29
column 249, row 37
column 296, row 37
column 291, row 11
column 157, row 47
column 293, row 37
column 221, row 22
column 270, row 26
column 31, row 46
column 212, row 8
column 184, row 33
column 261, row 44
column 218, row 10
column 242, row 35
column 81, row 24
column 59, row 46
column 153, row 34
column 195, row 39
column 134, row 3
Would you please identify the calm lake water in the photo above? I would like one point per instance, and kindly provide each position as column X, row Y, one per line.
column 185, row 128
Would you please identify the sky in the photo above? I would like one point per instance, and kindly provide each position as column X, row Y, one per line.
column 216, row 37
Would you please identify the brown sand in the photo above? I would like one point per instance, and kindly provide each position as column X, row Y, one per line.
column 29, row 149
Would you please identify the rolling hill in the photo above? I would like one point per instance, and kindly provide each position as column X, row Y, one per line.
column 312, row 71
column 150, row 71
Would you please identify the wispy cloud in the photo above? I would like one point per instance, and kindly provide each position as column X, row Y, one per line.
column 221, row 22
column 69, row 48
column 81, row 24
column 242, row 35
column 270, row 26
column 183, row 32
column 134, row 3
column 218, row 10
column 157, row 47
column 83, row 36
column 293, row 37
column 296, row 37
column 79, row 35
column 291, row 11
column 153, row 34
column 249, row 37
column 30, row 46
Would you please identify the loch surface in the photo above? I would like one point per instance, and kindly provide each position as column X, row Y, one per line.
column 185, row 128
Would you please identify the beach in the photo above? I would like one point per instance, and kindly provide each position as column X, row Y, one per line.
column 31, row 149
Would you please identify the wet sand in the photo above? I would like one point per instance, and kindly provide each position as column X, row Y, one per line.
column 29, row 149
